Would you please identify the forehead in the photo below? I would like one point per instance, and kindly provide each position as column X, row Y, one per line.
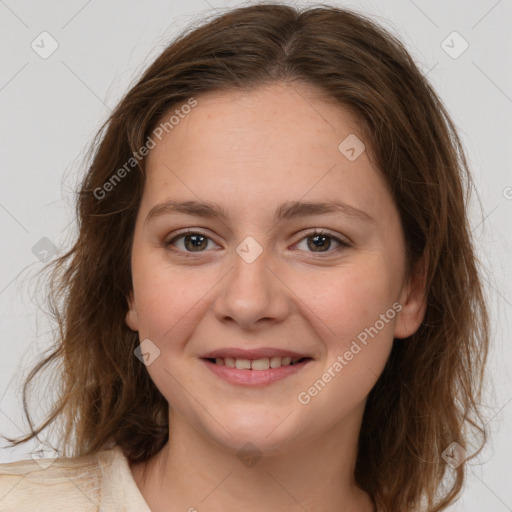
column 240, row 122
column 273, row 143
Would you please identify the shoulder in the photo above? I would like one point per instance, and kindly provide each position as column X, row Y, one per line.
column 71, row 484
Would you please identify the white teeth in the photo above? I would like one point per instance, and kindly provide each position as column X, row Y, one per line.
column 243, row 364
column 256, row 364
column 260, row 364
column 229, row 361
column 275, row 362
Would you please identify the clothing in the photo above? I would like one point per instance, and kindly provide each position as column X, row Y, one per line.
column 100, row 482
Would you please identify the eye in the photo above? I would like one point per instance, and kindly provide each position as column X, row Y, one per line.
column 193, row 241
column 319, row 241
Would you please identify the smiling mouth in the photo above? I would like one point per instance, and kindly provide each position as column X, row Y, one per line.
column 264, row 363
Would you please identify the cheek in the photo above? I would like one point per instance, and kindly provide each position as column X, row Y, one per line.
column 168, row 298
column 351, row 298
column 353, row 315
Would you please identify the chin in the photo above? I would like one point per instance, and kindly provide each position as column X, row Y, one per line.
column 267, row 433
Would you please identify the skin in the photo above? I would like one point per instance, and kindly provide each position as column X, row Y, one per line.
column 249, row 153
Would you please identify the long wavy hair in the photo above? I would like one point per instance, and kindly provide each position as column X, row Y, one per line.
column 428, row 395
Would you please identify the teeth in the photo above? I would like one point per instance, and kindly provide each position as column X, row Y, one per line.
column 243, row 364
column 275, row 362
column 260, row 364
column 229, row 361
column 256, row 364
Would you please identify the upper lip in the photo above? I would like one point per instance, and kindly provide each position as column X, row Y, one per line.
column 257, row 353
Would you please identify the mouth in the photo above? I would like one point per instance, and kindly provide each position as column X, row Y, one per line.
column 260, row 364
column 256, row 367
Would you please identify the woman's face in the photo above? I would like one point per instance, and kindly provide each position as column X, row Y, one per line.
column 260, row 279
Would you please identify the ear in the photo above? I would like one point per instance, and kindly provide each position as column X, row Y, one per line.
column 414, row 302
column 132, row 318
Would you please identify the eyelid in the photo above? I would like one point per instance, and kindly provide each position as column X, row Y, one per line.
column 180, row 233
column 344, row 240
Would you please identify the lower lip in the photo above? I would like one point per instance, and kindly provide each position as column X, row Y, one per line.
column 254, row 377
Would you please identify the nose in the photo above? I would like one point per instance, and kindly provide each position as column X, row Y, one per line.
column 253, row 294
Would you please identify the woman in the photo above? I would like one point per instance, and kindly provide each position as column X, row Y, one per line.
column 273, row 301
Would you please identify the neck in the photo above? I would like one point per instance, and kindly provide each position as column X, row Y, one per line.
column 192, row 472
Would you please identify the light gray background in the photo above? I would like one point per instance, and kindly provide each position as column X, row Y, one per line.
column 52, row 107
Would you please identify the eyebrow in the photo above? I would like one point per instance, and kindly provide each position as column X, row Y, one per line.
column 286, row 211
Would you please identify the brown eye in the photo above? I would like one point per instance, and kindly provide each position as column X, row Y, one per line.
column 192, row 242
column 321, row 242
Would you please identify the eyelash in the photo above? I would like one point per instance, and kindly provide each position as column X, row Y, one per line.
column 314, row 232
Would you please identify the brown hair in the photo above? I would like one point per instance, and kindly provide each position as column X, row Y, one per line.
column 429, row 391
